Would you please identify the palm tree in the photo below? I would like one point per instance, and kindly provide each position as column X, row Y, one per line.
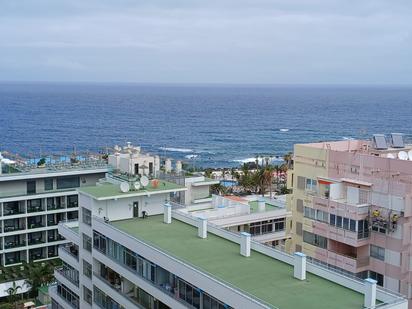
column 288, row 158
column 39, row 276
column 12, row 292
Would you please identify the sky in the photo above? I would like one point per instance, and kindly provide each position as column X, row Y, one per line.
column 213, row 41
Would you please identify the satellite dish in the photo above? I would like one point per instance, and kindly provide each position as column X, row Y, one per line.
column 136, row 185
column 410, row 154
column 403, row 155
column 124, row 187
column 144, row 181
column 390, row 156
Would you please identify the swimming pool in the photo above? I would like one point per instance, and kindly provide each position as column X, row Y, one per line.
column 229, row 183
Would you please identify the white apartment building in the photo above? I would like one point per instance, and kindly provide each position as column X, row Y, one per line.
column 34, row 198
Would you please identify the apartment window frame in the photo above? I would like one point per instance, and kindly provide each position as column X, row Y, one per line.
column 87, row 216
column 87, row 295
column 87, row 269
column 48, row 184
column 315, row 240
column 87, row 243
column 377, row 252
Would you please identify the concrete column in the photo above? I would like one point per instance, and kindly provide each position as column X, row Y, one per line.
column 299, row 270
column 167, row 215
column 261, row 205
column 202, row 228
column 245, row 244
column 370, row 293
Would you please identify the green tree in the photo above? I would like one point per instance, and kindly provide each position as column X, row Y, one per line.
column 288, row 158
column 39, row 276
column 12, row 293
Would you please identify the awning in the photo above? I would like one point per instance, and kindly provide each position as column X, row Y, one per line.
column 357, row 182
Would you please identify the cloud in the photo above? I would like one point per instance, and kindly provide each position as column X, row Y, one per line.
column 245, row 41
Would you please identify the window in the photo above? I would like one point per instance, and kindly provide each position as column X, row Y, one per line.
column 87, row 269
column 339, row 220
column 48, row 184
column 311, row 185
column 31, row 187
column 316, row 214
column 332, row 219
column 352, row 225
column 376, row 276
column 363, row 229
column 87, row 216
column 299, row 205
column 68, row 182
column 315, row 240
column 301, row 183
column 346, row 223
column 87, row 243
column 99, row 241
column 72, row 201
column 377, row 252
column 189, row 293
column 87, row 295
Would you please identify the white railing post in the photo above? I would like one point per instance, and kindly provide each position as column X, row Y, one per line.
column 202, row 228
column 167, row 215
column 245, row 244
column 370, row 293
column 299, row 269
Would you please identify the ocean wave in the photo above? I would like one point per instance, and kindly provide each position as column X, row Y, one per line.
column 284, row 130
column 346, row 138
column 250, row 160
column 185, row 150
column 191, row 156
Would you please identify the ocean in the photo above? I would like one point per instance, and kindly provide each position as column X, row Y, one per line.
column 205, row 125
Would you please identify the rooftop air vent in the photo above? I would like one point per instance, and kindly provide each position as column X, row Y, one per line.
column 380, row 141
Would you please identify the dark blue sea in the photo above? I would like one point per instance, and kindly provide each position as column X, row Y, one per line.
column 205, row 125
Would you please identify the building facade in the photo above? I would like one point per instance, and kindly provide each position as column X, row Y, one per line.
column 34, row 198
column 131, row 249
column 352, row 208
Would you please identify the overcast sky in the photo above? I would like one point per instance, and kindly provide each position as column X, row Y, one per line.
column 207, row 41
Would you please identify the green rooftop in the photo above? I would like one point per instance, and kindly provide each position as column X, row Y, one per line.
column 264, row 277
column 108, row 190
column 268, row 207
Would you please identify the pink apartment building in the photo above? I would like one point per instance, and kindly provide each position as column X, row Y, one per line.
column 352, row 208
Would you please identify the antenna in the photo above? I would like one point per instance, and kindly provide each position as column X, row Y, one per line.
column 144, row 181
column 124, row 187
column 403, row 155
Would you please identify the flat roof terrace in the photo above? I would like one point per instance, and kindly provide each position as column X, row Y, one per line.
column 262, row 276
column 106, row 190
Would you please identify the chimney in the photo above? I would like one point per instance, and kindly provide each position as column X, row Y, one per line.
column 202, row 228
column 261, row 205
column 370, row 293
column 167, row 216
column 245, row 244
column 299, row 270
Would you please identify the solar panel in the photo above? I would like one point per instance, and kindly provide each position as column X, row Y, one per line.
column 380, row 141
column 397, row 140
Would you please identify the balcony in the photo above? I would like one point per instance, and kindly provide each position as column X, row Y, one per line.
column 356, row 212
column 352, row 238
column 70, row 275
column 14, row 244
column 69, row 251
column 14, row 225
column 70, row 230
column 35, row 225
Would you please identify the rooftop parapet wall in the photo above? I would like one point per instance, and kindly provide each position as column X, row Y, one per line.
column 389, row 176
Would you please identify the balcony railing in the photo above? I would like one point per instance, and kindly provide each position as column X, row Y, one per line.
column 14, row 244
column 13, row 228
column 66, row 274
column 71, row 250
column 35, row 225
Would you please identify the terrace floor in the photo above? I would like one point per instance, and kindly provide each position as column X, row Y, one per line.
column 262, row 276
